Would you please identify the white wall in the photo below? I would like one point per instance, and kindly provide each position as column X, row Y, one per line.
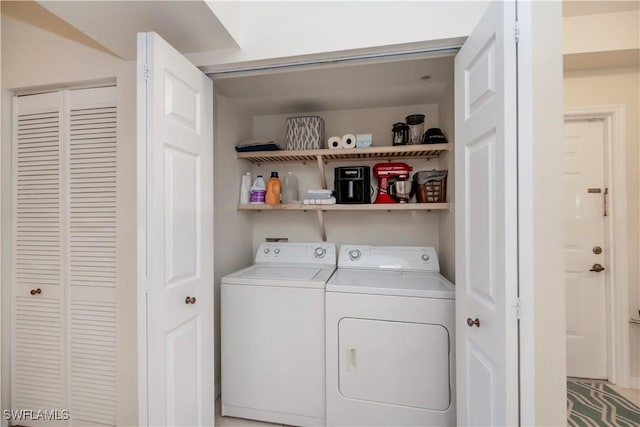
column 379, row 228
column 126, row 258
column 601, row 32
column 2, row 405
column 45, row 52
column 446, row 109
column 40, row 50
column 541, row 220
column 285, row 29
column 232, row 230
column 608, row 48
column 604, row 40
column 620, row 86
column 231, row 16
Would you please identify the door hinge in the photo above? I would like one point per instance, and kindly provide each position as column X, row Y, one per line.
column 516, row 33
column 147, row 73
column 518, row 308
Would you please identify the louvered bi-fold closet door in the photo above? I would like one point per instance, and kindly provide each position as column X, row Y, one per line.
column 90, row 154
column 64, row 352
column 38, row 341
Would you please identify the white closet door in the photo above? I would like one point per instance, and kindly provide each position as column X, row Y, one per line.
column 486, row 222
column 90, row 155
column 64, row 330
column 38, row 352
column 175, row 113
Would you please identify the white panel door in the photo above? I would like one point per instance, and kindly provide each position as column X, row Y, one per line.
column 178, row 143
column 584, row 185
column 486, row 221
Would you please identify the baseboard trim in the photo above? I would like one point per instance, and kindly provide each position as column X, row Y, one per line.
column 217, row 390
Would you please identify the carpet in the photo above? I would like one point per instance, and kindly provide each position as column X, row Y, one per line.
column 593, row 404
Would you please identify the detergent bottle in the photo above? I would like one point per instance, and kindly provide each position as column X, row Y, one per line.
column 257, row 193
column 245, row 189
column 273, row 190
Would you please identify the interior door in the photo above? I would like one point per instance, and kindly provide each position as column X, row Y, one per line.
column 177, row 105
column 38, row 367
column 486, row 221
column 585, row 250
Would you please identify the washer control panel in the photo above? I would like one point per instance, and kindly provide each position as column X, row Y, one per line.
column 403, row 258
column 296, row 253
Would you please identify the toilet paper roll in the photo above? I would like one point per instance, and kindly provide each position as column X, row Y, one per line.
column 348, row 141
column 334, row 142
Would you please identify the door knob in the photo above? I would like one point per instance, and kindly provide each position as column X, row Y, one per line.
column 471, row 322
column 190, row 300
column 36, row 291
column 597, row 268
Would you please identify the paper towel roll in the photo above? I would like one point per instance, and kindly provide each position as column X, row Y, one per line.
column 334, row 142
column 348, row 141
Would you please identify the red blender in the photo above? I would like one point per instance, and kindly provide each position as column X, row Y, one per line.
column 388, row 174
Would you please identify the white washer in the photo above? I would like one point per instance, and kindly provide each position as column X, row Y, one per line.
column 272, row 332
column 390, row 339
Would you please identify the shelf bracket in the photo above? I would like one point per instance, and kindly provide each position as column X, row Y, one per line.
column 323, row 232
column 323, row 178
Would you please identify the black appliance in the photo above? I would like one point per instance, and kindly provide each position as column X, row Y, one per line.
column 434, row 136
column 352, row 184
column 400, row 133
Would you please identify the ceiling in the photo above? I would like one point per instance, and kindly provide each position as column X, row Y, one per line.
column 341, row 87
column 192, row 26
column 580, row 7
column 595, row 60
column 189, row 26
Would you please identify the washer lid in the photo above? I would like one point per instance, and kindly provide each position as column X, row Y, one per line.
column 286, row 275
column 400, row 283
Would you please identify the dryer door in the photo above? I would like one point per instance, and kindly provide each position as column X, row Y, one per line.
column 396, row 363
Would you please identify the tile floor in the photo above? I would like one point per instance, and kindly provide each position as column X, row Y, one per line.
column 238, row 422
column 629, row 393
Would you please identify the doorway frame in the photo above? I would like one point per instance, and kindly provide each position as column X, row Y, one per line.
column 617, row 309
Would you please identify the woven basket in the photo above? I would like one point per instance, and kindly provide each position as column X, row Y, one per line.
column 431, row 186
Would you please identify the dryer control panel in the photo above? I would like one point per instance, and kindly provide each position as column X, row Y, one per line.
column 296, row 253
column 401, row 258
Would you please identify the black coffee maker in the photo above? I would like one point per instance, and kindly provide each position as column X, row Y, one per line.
column 352, row 184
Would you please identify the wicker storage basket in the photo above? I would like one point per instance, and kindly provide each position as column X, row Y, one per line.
column 430, row 186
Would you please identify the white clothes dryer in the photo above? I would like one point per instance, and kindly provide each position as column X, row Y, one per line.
column 390, row 339
column 272, row 335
